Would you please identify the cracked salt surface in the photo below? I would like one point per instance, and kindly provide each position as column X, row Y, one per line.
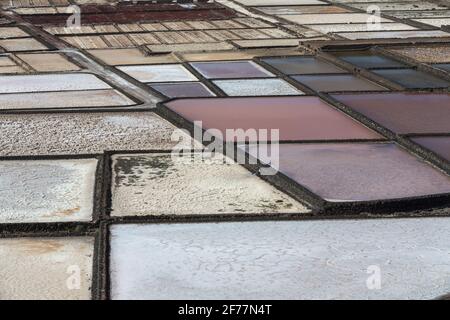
column 50, row 82
column 282, row 260
column 47, row 190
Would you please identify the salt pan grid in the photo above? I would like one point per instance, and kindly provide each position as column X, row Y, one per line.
column 89, row 115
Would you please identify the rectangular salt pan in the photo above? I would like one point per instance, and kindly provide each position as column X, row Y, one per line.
column 280, row 260
column 51, row 82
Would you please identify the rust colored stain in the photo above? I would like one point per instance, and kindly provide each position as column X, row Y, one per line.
column 128, row 13
column 38, row 247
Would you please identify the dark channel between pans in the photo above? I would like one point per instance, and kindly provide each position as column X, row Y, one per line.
column 338, row 82
column 366, row 59
column 412, row 79
column 403, row 113
column 182, row 90
column 439, row 145
column 359, row 171
column 302, row 65
column 297, row 118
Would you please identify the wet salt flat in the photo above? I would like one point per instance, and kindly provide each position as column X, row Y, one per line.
column 48, row 62
column 260, row 87
column 280, row 2
column 20, row 45
column 183, row 90
column 330, row 83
